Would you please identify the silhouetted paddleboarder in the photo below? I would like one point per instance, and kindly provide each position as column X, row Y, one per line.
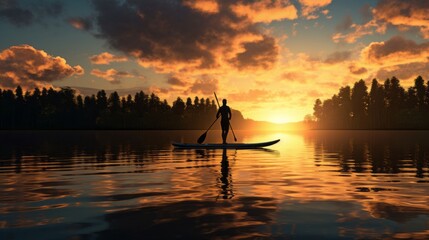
column 225, row 112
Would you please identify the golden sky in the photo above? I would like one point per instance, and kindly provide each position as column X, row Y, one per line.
column 270, row 58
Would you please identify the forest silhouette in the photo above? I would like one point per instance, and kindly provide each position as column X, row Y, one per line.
column 385, row 106
column 64, row 109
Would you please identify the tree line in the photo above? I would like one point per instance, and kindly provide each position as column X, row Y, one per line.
column 387, row 105
column 64, row 109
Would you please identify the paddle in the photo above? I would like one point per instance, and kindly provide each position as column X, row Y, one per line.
column 235, row 139
column 203, row 137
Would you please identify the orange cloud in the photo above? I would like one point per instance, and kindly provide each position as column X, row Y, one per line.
column 309, row 7
column 251, row 95
column 106, row 58
column 29, row 67
column 112, row 75
column 405, row 13
column 266, row 10
column 81, row 23
column 204, row 85
column 206, row 6
column 359, row 31
column 396, row 50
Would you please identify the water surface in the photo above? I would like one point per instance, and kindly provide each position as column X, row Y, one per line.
column 134, row 185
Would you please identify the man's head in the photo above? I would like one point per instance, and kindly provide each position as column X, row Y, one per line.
column 224, row 102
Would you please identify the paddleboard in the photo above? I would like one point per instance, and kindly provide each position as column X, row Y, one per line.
column 223, row 146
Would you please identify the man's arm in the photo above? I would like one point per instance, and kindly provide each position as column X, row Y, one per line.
column 218, row 112
column 230, row 114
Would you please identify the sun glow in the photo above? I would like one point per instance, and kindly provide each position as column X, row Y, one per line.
column 278, row 118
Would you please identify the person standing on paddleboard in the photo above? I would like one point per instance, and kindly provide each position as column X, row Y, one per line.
column 225, row 112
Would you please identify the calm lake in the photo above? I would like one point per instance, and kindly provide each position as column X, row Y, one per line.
column 135, row 185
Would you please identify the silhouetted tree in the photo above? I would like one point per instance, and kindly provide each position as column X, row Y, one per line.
column 376, row 106
column 318, row 110
column 63, row 109
column 359, row 102
column 345, row 107
column 178, row 107
column 387, row 106
column 114, row 103
column 419, row 86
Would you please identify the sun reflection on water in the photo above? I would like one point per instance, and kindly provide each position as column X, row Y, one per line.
column 333, row 184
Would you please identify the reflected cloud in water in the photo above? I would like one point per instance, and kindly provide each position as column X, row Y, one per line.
column 119, row 184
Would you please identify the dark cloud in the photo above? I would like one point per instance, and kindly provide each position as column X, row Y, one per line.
column 357, row 70
column 345, row 24
column 259, row 55
column 176, row 81
column 171, row 36
column 81, row 23
column 47, row 8
column 12, row 12
column 338, row 57
column 29, row 67
column 396, row 47
column 15, row 13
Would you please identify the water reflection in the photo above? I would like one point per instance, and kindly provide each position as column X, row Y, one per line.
column 375, row 152
column 226, row 177
column 133, row 185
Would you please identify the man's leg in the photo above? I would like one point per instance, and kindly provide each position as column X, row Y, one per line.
column 225, row 128
column 223, row 136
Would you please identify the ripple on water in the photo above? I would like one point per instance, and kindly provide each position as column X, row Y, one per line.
column 335, row 185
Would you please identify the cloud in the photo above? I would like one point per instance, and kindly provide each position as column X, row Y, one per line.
column 106, row 58
column 314, row 94
column 81, row 23
column 113, row 76
column 173, row 36
column 295, row 76
column 29, row 67
column 337, row 57
column 309, row 7
column 206, row 6
column 175, row 81
column 205, row 85
column 326, row 13
column 358, row 31
column 19, row 16
column 357, row 70
column 405, row 13
column 396, row 50
column 407, row 72
column 258, row 95
column 257, row 55
column 266, row 11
